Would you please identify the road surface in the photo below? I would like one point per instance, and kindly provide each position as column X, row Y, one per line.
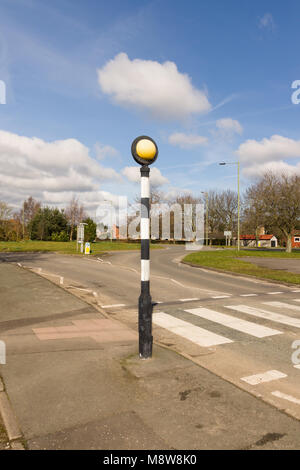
column 241, row 329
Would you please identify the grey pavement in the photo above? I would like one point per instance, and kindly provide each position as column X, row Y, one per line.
column 291, row 265
column 75, row 382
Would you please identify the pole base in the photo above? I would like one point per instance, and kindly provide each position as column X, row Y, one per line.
column 145, row 326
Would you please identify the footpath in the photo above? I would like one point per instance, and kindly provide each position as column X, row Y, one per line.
column 73, row 380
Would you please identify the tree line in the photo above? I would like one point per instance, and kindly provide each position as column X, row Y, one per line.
column 272, row 202
column 35, row 222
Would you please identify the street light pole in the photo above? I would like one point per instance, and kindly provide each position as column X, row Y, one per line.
column 238, row 185
column 206, row 203
column 144, row 151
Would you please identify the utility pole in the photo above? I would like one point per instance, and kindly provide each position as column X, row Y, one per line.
column 144, row 151
column 206, row 215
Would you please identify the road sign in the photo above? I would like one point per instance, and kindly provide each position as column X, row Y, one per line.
column 87, row 250
column 227, row 233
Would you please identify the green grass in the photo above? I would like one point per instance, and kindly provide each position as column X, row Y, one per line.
column 67, row 247
column 226, row 260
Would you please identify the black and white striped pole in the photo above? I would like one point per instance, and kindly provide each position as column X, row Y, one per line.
column 144, row 150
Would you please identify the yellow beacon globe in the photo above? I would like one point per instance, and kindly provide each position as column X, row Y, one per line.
column 146, row 149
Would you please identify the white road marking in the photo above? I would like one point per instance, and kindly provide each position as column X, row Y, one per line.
column 176, row 282
column 297, row 290
column 186, row 330
column 296, row 300
column 283, row 305
column 274, row 293
column 114, row 305
column 257, row 312
column 244, row 326
column 248, row 295
column 284, row 396
column 19, row 264
column 297, row 366
column 79, row 288
column 188, row 300
column 95, row 294
column 264, row 377
column 221, row 297
column 61, row 280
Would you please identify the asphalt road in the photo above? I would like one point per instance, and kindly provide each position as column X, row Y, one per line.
column 241, row 329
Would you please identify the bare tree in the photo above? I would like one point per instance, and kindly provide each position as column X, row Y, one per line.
column 29, row 209
column 5, row 214
column 75, row 213
column 279, row 196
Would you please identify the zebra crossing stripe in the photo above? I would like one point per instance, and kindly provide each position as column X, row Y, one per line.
column 283, row 305
column 257, row 312
column 264, row 377
column 248, row 295
column 189, row 331
column 244, row 326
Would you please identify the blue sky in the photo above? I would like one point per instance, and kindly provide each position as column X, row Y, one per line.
column 208, row 80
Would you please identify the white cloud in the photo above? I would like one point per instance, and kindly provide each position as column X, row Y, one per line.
column 267, row 22
column 273, row 167
column 159, row 89
column 32, row 166
column 104, row 151
column 187, row 141
column 229, row 126
column 132, row 173
column 268, row 154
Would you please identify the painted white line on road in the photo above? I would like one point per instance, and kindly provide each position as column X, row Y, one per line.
column 188, row 300
column 296, row 300
column 220, row 296
column 264, row 377
column 114, row 305
column 284, row 396
column 283, row 305
column 95, row 294
column 61, row 280
column 248, row 295
column 79, row 288
column 188, row 331
column 297, row 366
column 257, row 312
column 176, row 282
column 297, row 290
column 244, row 326
column 19, row 264
column 274, row 293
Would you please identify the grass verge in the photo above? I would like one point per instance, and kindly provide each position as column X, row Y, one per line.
column 67, row 247
column 227, row 260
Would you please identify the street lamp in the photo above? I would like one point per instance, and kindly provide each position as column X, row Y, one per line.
column 144, row 151
column 238, row 184
column 206, row 203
